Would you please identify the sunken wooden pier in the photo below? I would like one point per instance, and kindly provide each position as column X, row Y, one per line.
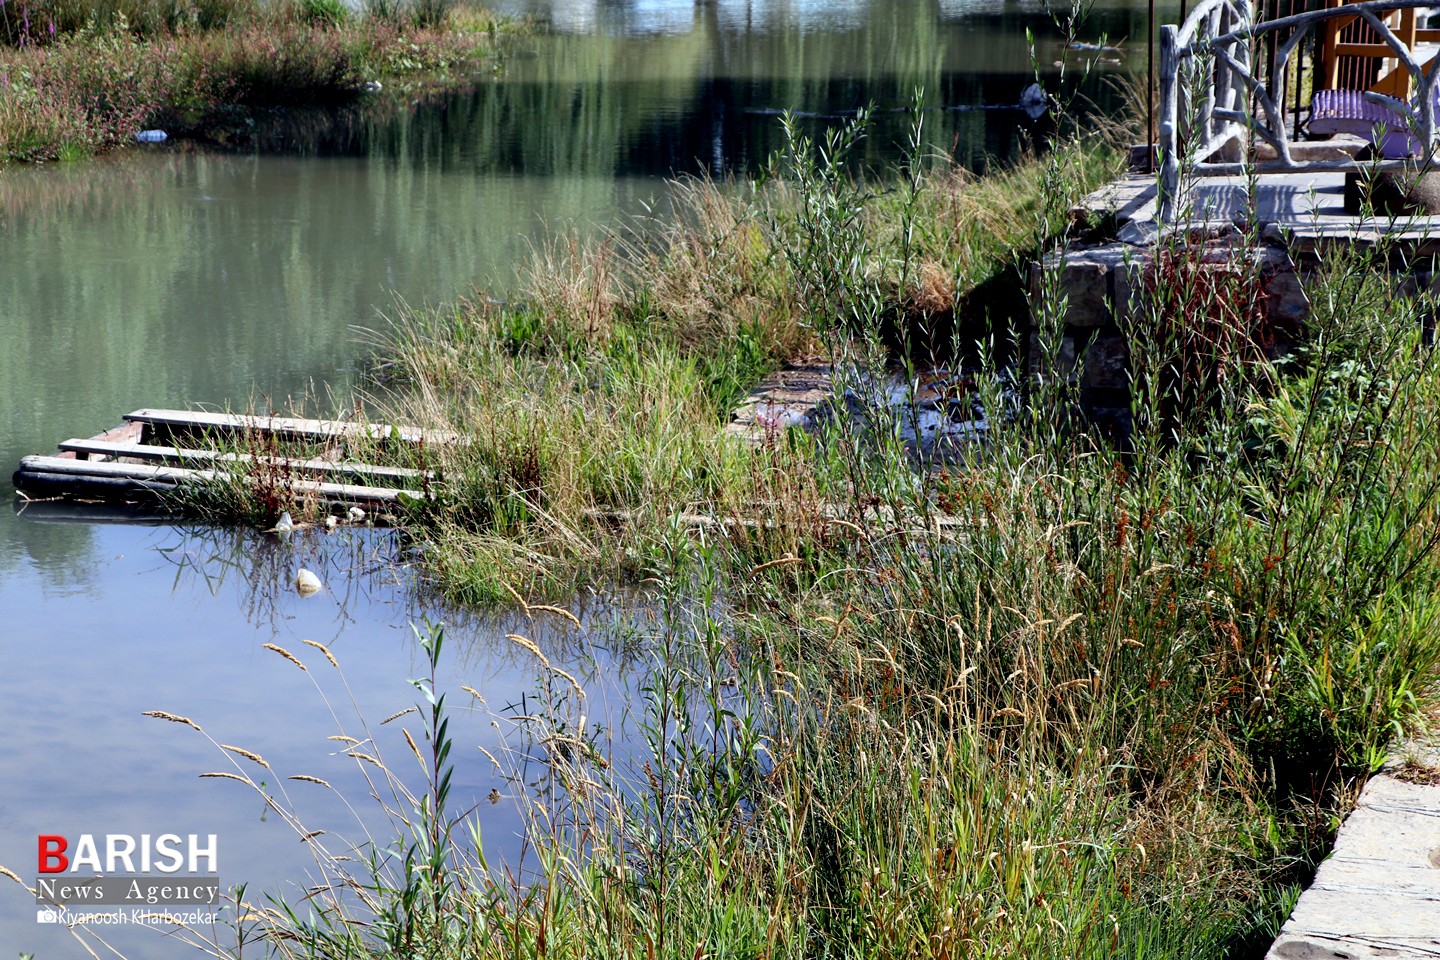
column 155, row 453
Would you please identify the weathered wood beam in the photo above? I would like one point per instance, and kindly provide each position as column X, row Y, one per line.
column 182, row 455
column 99, row 476
column 291, row 428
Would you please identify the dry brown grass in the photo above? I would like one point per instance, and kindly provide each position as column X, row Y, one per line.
column 575, row 286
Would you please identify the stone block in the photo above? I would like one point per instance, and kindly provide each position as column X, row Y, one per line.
column 1086, row 281
column 1287, row 304
column 1105, row 362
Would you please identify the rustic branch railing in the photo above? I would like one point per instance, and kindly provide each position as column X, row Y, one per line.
column 1208, row 63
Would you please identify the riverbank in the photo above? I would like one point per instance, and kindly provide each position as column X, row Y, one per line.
column 1053, row 698
column 82, row 81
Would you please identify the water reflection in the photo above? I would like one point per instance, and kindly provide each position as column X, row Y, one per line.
column 178, row 623
column 192, row 279
column 642, row 17
column 659, row 88
column 261, row 568
column 663, row 88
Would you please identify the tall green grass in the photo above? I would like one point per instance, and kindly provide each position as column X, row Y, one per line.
column 595, row 405
column 1057, row 695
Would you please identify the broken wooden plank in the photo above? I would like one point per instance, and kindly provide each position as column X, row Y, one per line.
column 763, row 516
column 182, row 455
column 125, row 433
column 128, row 471
column 170, row 422
column 102, row 478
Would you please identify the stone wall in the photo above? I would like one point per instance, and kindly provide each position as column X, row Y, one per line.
column 1104, row 288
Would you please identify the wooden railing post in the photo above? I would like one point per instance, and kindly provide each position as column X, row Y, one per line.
column 1329, row 61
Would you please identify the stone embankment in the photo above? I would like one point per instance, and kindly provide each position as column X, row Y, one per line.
column 1272, row 232
column 1378, row 893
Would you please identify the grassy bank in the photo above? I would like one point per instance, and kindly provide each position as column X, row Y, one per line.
column 597, row 405
column 1054, row 698
column 80, row 78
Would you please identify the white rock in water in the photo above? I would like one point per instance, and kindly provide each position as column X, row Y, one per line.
column 284, row 524
column 331, row 521
column 306, row 583
column 355, row 515
column 779, row 416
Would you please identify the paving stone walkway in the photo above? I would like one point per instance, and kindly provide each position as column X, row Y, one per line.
column 1303, row 210
column 1378, row 893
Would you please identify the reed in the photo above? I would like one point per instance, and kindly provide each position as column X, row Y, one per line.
column 1109, row 706
column 1059, row 695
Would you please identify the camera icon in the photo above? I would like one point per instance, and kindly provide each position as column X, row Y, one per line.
column 47, row 916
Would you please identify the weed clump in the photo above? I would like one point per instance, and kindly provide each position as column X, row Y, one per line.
column 1027, row 697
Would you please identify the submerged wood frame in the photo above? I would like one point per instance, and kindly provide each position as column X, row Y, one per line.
column 132, row 467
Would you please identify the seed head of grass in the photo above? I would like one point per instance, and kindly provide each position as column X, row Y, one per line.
column 365, row 757
column 286, row 654
column 575, row 684
column 247, row 754
column 414, row 749
column 306, row 778
column 558, row 611
column 397, row 715
column 325, row 650
column 529, row 644
column 171, row 717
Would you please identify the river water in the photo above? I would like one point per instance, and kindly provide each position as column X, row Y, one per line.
column 173, row 277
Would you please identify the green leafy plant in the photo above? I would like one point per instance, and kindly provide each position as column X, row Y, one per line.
column 325, row 13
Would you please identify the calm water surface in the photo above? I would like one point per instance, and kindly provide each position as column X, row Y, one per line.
column 172, row 278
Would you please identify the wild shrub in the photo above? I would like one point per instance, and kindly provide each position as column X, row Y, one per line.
column 430, row 13
column 96, row 88
column 325, row 13
column 284, row 65
column 77, row 81
column 48, row 21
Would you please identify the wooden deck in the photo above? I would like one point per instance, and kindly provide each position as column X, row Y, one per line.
column 156, row 453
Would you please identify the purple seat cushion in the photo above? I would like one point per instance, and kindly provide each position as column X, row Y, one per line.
column 1348, row 111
